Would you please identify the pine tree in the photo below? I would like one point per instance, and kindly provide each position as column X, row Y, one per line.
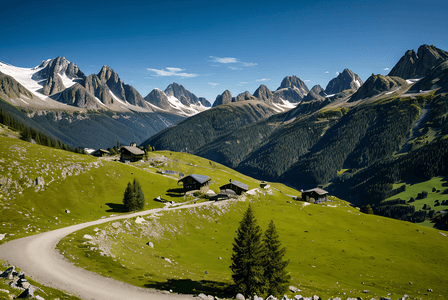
column 128, row 197
column 275, row 276
column 247, row 256
column 139, row 196
column 133, row 198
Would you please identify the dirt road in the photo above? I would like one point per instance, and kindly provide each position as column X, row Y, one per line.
column 37, row 257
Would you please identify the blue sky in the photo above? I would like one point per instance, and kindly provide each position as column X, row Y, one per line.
column 211, row 46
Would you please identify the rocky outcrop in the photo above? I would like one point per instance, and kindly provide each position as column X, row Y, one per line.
column 436, row 79
column 243, row 97
column 266, row 95
column 377, row 84
column 204, row 102
column 78, row 96
column 316, row 93
column 347, row 80
column 53, row 69
column 123, row 91
column 224, row 98
column 186, row 97
column 97, row 88
column 420, row 64
column 10, row 88
column 158, row 98
column 292, row 89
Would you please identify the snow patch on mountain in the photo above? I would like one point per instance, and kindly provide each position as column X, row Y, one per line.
column 183, row 109
column 25, row 76
column 286, row 105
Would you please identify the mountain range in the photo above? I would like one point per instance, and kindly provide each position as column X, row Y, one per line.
column 329, row 140
column 302, row 137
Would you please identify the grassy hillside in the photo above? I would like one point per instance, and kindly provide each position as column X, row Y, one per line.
column 333, row 249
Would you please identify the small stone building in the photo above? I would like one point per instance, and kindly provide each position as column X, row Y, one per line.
column 131, row 153
column 194, row 181
column 319, row 195
column 235, row 186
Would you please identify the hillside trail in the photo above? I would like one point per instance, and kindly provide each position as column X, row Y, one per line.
column 38, row 257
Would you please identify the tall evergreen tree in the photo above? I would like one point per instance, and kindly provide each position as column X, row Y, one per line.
column 139, row 196
column 247, row 263
column 275, row 276
column 128, row 197
column 133, row 198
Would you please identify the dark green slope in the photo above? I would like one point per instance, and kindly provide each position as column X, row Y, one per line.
column 194, row 133
column 102, row 129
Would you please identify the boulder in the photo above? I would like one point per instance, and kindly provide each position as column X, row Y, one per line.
column 202, row 296
column 239, row 297
column 87, row 237
column 298, row 297
column 271, row 298
column 5, row 274
column 293, row 289
column 150, row 244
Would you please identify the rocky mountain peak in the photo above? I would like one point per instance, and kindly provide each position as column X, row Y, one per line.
column 264, row 94
column 316, row 93
column 186, row 97
column 158, row 98
column 420, row 64
column 224, row 98
column 53, row 69
column 347, row 80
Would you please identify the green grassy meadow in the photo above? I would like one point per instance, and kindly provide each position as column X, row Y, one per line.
column 413, row 189
column 333, row 249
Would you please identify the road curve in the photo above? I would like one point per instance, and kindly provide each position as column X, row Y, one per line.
column 38, row 257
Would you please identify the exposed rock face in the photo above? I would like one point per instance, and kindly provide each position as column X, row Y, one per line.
column 158, row 98
column 347, row 80
column 204, row 102
column 316, row 93
column 243, row 97
column 292, row 89
column 123, row 91
column 264, row 94
column 436, row 79
column 224, row 98
column 78, row 96
column 377, row 84
column 185, row 97
column 95, row 87
column 10, row 88
column 413, row 65
column 53, row 69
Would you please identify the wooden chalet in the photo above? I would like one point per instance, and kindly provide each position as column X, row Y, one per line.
column 100, row 153
column 319, row 195
column 131, row 153
column 194, row 181
column 235, row 186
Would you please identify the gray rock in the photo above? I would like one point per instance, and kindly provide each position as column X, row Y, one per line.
column 298, row 297
column 239, row 297
column 150, row 244
column 344, row 81
column 293, row 289
column 271, row 298
column 224, row 98
column 202, row 296
column 7, row 272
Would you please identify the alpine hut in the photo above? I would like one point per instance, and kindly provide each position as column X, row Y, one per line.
column 131, row 153
column 235, row 186
column 194, row 181
column 319, row 195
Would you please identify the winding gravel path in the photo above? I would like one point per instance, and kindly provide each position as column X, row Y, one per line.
column 37, row 257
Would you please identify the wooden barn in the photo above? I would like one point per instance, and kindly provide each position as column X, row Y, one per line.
column 319, row 195
column 235, row 186
column 194, row 181
column 131, row 153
